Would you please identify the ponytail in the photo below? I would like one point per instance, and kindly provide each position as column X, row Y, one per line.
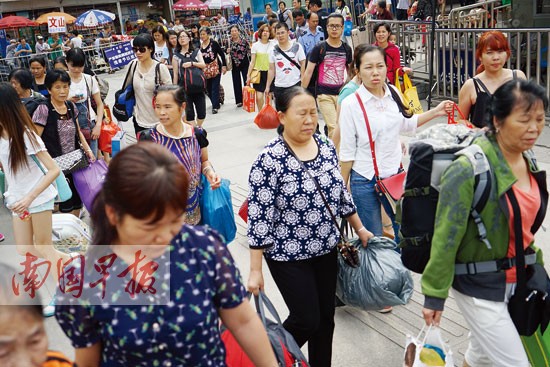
column 397, row 98
column 104, row 231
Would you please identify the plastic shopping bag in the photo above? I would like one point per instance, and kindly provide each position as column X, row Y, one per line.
column 267, row 118
column 108, row 131
column 88, row 181
column 410, row 95
column 382, row 280
column 451, row 120
column 427, row 350
column 217, row 209
column 249, row 99
column 284, row 346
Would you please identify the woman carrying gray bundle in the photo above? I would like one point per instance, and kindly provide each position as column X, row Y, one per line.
column 485, row 289
column 296, row 194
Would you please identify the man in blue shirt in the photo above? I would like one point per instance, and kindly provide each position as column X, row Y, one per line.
column 313, row 35
column 23, row 51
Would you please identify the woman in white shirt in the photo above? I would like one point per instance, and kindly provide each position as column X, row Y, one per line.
column 143, row 80
column 260, row 62
column 387, row 118
column 82, row 90
column 30, row 194
column 161, row 44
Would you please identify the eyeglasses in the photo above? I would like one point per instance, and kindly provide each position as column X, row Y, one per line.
column 140, row 49
column 334, row 26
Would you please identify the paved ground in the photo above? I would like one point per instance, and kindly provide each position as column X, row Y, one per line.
column 361, row 338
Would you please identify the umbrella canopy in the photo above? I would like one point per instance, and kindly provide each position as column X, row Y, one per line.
column 93, row 18
column 15, row 21
column 190, row 5
column 221, row 4
column 43, row 19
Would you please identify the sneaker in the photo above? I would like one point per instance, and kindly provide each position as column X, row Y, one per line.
column 2, row 238
column 214, row 111
column 386, row 309
column 239, row 105
column 49, row 310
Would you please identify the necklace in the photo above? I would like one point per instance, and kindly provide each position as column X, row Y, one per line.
column 58, row 108
column 179, row 136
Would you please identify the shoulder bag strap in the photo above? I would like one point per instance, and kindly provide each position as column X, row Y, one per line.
column 132, row 71
column 340, row 229
column 70, row 112
column 293, row 62
column 157, row 74
column 371, row 142
column 35, row 159
column 520, row 252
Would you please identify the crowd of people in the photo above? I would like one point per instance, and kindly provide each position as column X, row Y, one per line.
column 303, row 178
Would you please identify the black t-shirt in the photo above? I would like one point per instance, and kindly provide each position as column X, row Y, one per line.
column 332, row 64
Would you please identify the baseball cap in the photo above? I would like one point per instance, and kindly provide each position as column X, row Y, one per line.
column 39, row 37
column 13, row 41
column 140, row 21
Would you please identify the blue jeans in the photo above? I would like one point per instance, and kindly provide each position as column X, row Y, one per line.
column 368, row 201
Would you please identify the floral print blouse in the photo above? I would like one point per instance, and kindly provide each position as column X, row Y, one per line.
column 182, row 332
column 239, row 51
column 286, row 214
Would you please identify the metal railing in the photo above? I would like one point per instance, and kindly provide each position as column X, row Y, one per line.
column 454, row 59
column 221, row 33
column 95, row 59
column 479, row 15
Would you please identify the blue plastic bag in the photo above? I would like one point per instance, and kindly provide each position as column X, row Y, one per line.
column 217, row 209
column 348, row 26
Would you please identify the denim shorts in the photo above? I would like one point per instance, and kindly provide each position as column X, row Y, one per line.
column 47, row 206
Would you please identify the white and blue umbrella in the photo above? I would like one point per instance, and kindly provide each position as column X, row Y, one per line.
column 93, row 18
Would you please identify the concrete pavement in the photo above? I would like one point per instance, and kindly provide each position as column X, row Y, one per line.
column 361, row 338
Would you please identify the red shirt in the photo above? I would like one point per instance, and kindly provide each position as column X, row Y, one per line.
column 393, row 60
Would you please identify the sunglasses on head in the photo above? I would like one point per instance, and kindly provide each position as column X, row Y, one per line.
column 140, row 49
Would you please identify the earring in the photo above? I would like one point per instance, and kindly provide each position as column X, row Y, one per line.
column 497, row 130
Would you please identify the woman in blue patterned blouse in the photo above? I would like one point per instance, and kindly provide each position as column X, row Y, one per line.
column 289, row 224
column 140, row 212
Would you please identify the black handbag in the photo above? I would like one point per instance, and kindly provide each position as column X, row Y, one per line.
column 529, row 307
column 349, row 253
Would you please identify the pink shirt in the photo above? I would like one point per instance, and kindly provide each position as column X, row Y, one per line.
column 529, row 203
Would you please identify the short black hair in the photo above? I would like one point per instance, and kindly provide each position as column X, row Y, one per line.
column 316, row 2
column 510, row 95
column 266, row 5
column 56, row 75
column 23, row 76
column 280, row 25
column 336, row 15
column 382, row 4
column 39, row 59
column 76, row 57
column 297, row 13
column 61, row 60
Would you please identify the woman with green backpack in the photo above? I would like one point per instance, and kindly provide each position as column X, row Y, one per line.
column 486, row 282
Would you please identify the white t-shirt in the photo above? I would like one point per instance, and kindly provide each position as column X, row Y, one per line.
column 286, row 73
column 27, row 177
column 80, row 89
column 76, row 42
column 161, row 52
column 144, row 87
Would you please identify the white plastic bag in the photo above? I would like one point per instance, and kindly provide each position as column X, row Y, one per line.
column 70, row 234
column 427, row 339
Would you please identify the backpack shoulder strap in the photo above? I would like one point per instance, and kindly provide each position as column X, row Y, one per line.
column 514, row 74
column 482, row 186
column 157, row 74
